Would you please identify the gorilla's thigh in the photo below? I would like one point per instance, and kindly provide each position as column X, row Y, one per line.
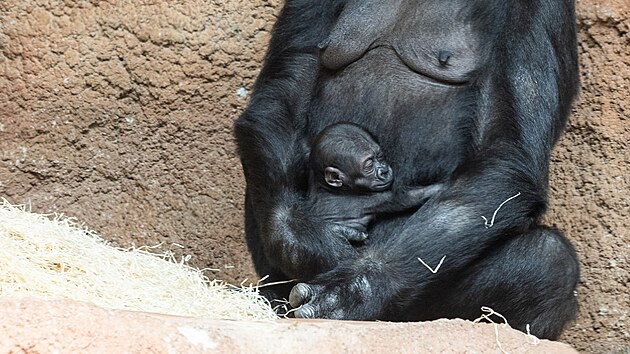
column 527, row 278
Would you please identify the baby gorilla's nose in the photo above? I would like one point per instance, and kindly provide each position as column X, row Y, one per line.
column 384, row 173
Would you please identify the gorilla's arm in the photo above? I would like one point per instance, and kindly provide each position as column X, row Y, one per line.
column 525, row 92
column 354, row 212
column 282, row 233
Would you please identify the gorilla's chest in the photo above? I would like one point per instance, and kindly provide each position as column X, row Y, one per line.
column 435, row 38
column 423, row 126
column 407, row 81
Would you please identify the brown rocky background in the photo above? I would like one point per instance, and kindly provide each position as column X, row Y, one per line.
column 119, row 113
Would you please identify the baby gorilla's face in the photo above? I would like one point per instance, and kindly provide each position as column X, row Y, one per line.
column 368, row 172
column 351, row 158
column 372, row 173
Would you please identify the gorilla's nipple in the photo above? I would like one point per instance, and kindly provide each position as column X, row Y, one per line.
column 444, row 56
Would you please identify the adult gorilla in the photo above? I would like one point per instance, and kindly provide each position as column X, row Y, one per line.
column 469, row 93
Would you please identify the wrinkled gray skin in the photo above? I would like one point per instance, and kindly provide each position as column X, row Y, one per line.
column 360, row 23
column 440, row 49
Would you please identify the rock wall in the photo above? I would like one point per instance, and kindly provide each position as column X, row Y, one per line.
column 590, row 184
column 119, row 113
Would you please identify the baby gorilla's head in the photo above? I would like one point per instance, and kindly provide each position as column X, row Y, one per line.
column 346, row 157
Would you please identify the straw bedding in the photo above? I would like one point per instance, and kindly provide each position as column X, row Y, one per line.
column 51, row 256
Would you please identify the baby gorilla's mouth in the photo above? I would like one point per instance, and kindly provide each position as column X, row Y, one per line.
column 385, row 178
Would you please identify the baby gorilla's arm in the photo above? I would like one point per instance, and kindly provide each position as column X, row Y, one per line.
column 345, row 211
column 401, row 200
column 352, row 213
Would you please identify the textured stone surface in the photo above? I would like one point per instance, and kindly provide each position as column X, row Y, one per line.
column 590, row 180
column 119, row 113
column 35, row 326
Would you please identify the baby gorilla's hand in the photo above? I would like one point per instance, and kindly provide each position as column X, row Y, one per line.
column 351, row 234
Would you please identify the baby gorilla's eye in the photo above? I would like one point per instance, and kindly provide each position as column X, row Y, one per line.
column 368, row 166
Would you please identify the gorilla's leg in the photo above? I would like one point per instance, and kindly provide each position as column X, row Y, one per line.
column 530, row 279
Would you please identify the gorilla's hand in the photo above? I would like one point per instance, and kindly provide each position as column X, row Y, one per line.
column 303, row 245
column 342, row 293
column 349, row 233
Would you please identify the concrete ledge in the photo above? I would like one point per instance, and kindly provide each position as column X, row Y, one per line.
column 37, row 326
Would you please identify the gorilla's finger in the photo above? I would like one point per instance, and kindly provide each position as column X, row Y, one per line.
column 300, row 294
column 306, row 311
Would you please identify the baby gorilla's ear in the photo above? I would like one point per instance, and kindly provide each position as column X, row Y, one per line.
column 334, row 177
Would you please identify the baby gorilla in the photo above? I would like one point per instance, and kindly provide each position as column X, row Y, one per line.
column 350, row 181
